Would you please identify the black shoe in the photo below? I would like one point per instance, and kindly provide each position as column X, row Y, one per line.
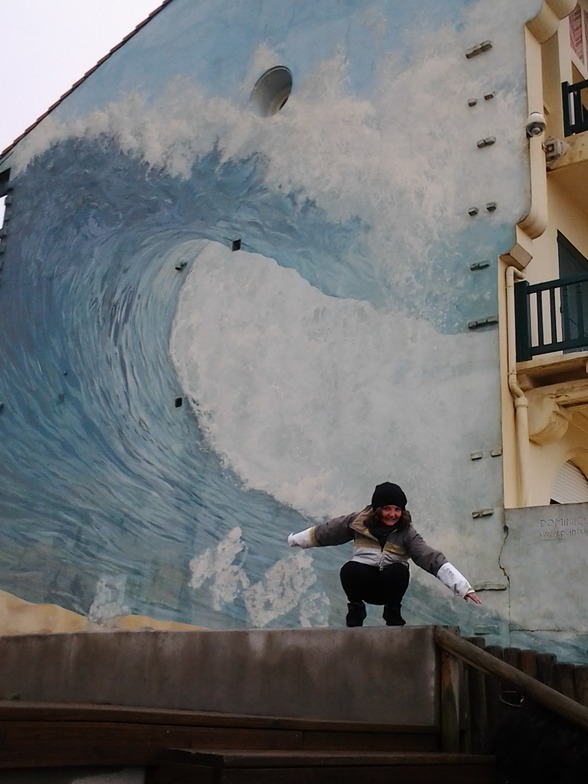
column 356, row 614
column 392, row 615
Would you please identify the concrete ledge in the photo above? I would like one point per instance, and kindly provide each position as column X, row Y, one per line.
column 383, row 675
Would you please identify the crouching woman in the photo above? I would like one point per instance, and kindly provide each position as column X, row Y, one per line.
column 383, row 541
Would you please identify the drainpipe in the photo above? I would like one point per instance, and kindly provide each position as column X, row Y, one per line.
column 521, row 404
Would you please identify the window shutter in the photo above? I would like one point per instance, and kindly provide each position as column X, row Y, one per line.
column 570, row 486
column 576, row 33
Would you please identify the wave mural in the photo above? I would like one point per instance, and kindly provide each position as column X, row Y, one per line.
column 174, row 407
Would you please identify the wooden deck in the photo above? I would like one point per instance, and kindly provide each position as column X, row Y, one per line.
column 189, row 747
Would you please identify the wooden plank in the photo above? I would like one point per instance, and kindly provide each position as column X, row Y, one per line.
column 284, row 758
column 342, row 768
column 409, row 774
column 581, row 679
column 478, row 705
column 512, row 656
column 493, row 688
column 15, row 710
column 178, row 773
column 528, row 663
column 564, row 680
column 546, row 663
column 465, row 713
column 450, row 675
column 510, row 695
column 420, row 739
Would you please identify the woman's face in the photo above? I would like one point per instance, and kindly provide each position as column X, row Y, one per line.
column 390, row 515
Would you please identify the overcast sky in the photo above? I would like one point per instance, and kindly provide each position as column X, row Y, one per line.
column 47, row 45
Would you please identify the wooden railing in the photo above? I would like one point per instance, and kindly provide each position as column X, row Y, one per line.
column 551, row 316
column 470, row 698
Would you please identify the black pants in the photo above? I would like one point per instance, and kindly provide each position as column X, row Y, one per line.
column 364, row 583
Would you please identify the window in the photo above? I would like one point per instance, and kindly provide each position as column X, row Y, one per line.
column 573, row 266
column 4, row 200
column 4, row 179
column 578, row 22
column 570, row 486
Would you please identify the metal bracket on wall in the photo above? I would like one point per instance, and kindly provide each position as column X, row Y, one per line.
column 479, row 454
column 478, row 265
column 482, row 513
column 478, row 49
column 490, row 586
column 483, row 322
column 486, row 629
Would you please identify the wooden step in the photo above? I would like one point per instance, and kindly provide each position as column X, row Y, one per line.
column 49, row 735
column 315, row 767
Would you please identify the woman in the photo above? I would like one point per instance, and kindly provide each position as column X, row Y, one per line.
column 383, row 541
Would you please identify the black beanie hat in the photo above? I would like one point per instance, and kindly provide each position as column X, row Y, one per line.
column 388, row 494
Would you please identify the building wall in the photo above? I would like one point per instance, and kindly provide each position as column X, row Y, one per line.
column 173, row 406
column 549, row 541
column 544, row 554
column 565, row 212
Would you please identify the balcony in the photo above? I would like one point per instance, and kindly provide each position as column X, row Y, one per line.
column 575, row 113
column 551, row 317
column 551, row 322
column 569, row 171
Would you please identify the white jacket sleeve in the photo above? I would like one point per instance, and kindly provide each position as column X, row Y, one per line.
column 454, row 580
column 302, row 539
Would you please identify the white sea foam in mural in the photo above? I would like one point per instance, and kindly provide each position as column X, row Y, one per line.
column 278, row 593
column 281, row 590
column 109, row 599
column 283, row 377
column 217, row 565
column 351, row 155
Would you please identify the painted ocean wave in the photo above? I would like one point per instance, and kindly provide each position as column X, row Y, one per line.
column 106, row 480
column 108, row 484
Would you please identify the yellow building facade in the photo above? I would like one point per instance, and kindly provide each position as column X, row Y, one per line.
column 545, row 420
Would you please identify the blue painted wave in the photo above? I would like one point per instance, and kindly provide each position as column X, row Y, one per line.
column 103, row 474
column 112, row 502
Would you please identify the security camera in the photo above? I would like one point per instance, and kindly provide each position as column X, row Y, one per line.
column 535, row 124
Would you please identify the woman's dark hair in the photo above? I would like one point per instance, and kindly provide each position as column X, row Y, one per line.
column 401, row 525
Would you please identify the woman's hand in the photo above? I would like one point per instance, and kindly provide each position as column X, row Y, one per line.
column 302, row 539
column 471, row 596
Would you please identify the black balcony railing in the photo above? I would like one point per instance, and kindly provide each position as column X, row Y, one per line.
column 551, row 316
column 575, row 114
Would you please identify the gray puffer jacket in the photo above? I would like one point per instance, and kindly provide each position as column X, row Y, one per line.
column 398, row 548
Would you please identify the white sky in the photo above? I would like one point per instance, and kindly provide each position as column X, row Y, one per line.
column 47, row 45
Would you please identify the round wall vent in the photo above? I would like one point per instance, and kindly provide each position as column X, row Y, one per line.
column 271, row 91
